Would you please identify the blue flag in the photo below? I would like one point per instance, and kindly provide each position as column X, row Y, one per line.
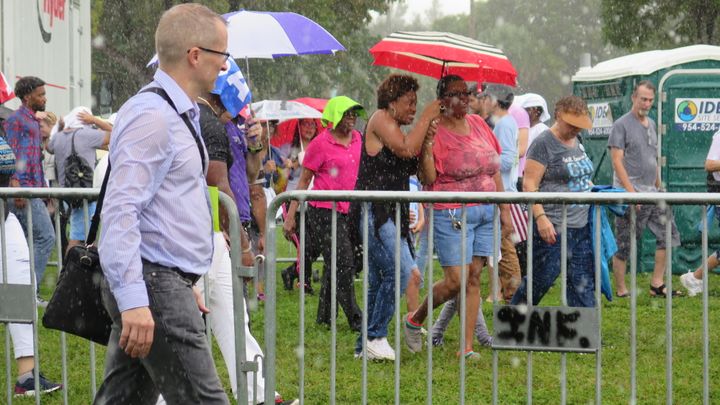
column 232, row 89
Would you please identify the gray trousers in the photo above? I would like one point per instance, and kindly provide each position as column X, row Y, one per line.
column 446, row 315
column 180, row 363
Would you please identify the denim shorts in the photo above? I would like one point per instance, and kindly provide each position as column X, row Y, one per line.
column 77, row 221
column 479, row 234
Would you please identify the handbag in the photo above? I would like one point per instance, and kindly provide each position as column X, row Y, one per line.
column 78, row 172
column 76, row 306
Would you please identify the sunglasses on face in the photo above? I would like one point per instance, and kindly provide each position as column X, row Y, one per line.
column 458, row 94
column 350, row 114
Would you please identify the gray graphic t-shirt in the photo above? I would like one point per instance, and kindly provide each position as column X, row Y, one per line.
column 566, row 169
column 640, row 146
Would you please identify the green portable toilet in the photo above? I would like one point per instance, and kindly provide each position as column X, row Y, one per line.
column 687, row 112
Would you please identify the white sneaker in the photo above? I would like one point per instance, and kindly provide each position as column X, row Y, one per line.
column 379, row 349
column 693, row 285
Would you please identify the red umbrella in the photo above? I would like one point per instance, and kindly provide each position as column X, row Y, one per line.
column 286, row 130
column 437, row 54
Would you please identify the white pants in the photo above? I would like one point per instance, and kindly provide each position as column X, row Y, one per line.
column 18, row 272
column 222, row 320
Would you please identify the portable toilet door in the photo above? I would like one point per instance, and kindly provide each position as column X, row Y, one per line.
column 688, row 115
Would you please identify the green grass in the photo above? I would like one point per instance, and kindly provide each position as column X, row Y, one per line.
column 687, row 358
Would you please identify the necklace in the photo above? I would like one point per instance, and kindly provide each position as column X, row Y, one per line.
column 207, row 103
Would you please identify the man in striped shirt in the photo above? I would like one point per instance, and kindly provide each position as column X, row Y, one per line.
column 157, row 235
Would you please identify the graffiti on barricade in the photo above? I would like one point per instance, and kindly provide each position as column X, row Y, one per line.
column 564, row 329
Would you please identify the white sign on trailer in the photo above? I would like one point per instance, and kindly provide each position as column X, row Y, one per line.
column 49, row 39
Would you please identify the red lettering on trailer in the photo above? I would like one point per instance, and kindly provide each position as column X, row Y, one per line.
column 55, row 9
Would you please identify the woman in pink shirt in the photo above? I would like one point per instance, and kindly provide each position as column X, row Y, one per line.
column 463, row 156
column 331, row 162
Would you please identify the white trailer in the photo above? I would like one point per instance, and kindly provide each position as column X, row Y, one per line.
column 49, row 39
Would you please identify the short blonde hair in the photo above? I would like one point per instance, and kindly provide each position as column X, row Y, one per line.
column 50, row 118
column 182, row 27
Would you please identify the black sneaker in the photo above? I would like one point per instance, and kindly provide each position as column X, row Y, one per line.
column 27, row 389
column 438, row 340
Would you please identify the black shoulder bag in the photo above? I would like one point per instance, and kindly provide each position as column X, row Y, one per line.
column 78, row 172
column 76, row 306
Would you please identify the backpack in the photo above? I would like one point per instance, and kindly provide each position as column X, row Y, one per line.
column 78, row 173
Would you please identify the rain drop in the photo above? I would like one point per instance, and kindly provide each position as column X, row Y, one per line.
column 98, row 42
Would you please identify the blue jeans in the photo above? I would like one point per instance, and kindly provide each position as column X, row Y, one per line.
column 43, row 233
column 546, row 268
column 381, row 277
column 78, row 231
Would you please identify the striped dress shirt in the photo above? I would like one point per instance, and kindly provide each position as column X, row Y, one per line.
column 156, row 205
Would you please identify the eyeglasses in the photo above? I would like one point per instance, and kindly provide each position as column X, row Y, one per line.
column 350, row 114
column 225, row 54
column 458, row 94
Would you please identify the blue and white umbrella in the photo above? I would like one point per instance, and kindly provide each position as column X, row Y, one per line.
column 267, row 34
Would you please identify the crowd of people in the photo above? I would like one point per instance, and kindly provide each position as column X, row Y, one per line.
column 175, row 144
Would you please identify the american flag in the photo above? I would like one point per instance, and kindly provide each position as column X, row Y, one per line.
column 519, row 221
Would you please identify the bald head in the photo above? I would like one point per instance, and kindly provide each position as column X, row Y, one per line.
column 183, row 27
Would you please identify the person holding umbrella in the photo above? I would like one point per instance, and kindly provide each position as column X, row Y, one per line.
column 389, row 158
column 331, row 163
column 463, row 156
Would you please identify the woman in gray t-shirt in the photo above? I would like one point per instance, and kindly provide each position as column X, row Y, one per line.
column 557, row 162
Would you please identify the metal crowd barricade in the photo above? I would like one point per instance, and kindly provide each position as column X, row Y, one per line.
column 18, row 303
column 368, row 197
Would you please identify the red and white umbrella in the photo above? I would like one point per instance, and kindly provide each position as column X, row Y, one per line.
column 437, row 54
column 286, row 130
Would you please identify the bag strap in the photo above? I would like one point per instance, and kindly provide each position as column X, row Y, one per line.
column 72, row 143
column 92, row 232
column 161, row 92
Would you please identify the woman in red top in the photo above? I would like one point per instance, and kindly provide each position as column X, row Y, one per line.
column 463, row 156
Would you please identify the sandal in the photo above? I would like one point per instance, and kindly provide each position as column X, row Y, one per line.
column 624, row 295
column 661, row 292
column 470, row 355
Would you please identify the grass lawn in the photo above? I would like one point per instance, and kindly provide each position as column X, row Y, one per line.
column 687, row 357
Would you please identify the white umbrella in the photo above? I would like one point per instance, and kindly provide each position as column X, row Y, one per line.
column 282, row 110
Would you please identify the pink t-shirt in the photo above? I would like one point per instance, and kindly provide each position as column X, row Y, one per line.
column 335, row 166
column 465, row 162
column 522, row 119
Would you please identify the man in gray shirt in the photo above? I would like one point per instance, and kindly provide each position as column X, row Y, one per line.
column 87, row 140
column 633, row 147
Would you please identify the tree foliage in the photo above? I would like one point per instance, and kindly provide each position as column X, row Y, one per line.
column 638, row 25
column 544, row 40
column 123, row 32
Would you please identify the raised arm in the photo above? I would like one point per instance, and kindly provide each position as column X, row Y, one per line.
column 385, row 131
